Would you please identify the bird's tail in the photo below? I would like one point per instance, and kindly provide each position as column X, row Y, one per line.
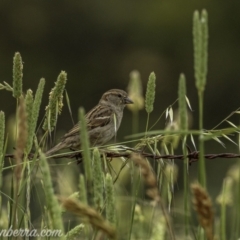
column 56, row 148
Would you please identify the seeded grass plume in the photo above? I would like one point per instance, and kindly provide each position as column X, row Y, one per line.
column 94, row 218
column 200, row 44
column 74, row 233
column 53, row 206
column 17, row 75
column 200, row 40
column 135, row 92
column 29, row 109
column 98, row 181
column 33, row 115
column 150, row 93
column 55, row 104
column 150, row 96
column 183, row 126
column 110, row 200
column 203, row 206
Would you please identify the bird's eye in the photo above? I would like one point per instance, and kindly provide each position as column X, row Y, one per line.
column 119, row 95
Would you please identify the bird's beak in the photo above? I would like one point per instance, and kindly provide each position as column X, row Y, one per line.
column 128, row 101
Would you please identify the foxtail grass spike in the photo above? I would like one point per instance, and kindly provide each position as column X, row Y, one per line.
column 196, row 46
column 54, row 208
column 204, row 24
column 82, row 190
column 2, row 132
column 182, row 103
column 34, row 115
column 29, row 109
column 150, row 93
column 98, row 182
column 135, row 92
column 75, row 232
column 200, row 42
column 17, row 75
column 110, row 200
column 55, row 104
column 93, row 217
column 203, row 206
column 85, row 145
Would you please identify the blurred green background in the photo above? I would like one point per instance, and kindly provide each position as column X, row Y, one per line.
column 98, row 43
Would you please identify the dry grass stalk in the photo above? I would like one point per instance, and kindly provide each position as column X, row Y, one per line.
column 203, row 206
column 18, row 155
column 22, row 137
column 94, row 218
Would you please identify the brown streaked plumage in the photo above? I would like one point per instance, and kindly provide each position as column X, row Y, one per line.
column 100, row 122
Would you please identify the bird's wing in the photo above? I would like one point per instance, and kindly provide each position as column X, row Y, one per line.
column 97, row 117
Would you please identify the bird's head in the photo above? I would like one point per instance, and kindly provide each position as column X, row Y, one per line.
column 116, row 97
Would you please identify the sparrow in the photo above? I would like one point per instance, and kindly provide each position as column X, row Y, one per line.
column 102, row 122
